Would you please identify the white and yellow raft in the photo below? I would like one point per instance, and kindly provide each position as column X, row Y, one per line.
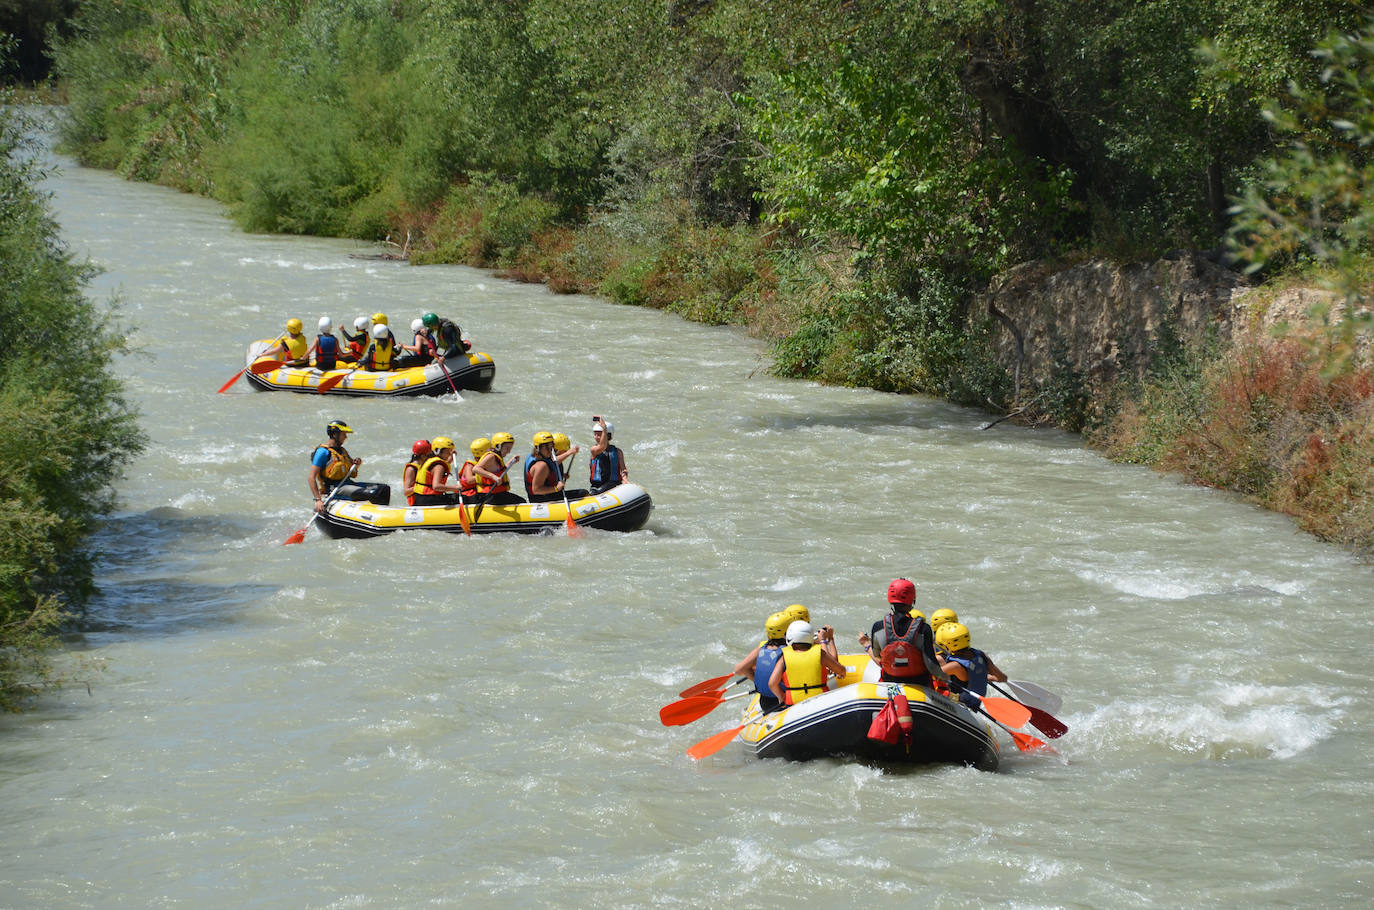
column 836, row 722
column 622, row 508
column 473, row 371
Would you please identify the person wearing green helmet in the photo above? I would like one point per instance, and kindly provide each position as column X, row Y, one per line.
column 330, row 463
column 447, row 335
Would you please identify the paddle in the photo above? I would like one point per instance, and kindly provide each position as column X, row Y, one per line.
column 257, row 369
column 1029, row 693
column 573, row 529
column 710, row 685
column 1043, row 721
column 444, row 367
column 332, row 381
column 299, row 536
column 694, row 708
column 1024, row 741
column 463, row 517
column 1011, row 713
column 713, row 744
column 483, row 504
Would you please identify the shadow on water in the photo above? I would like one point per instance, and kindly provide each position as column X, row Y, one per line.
column 136, row 595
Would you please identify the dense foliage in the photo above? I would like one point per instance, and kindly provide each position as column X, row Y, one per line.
column 65, row 429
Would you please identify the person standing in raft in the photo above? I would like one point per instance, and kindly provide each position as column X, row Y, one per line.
column 378, row 356
column 431, row 483
column 901, row 642
column 291, row 347
column 608, row 461
column 968, row 668
column 419, row 454
column 448, row 337
column 330, row 464
column 802, row 671
column 543, row 479
column 760, row 662
column 419, row 353
column 493, row 484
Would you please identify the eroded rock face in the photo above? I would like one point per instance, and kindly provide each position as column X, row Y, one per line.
column 1103, row 318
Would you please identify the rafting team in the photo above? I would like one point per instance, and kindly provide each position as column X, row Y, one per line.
column 373, row 347
column 794, row 660
column 429, row 478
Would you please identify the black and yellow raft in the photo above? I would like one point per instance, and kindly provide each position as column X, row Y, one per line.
column 622, row 508
column 836, row 722
column 473, row 371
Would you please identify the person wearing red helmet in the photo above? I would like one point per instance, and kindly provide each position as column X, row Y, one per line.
column 901, row 642
column 419, row 454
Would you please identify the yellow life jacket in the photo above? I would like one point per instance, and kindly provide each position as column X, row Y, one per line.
column 382, row 352
column 423, row 487
column 339, row 463
column 297, row 346
column 805, row 676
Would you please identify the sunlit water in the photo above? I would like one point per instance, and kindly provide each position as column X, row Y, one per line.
column 429, row 720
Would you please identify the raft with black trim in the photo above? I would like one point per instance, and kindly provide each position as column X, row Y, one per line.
column 836, row 722
column 622, row 508
column 472, row 371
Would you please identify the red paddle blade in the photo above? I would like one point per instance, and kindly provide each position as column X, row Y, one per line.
column 1011, row 713
column 709, row 685
column 1027, row 743
column 329, row 383
column 464, row 520
column 224, row 388
column 688, row 710
column 298, row 537
column 1047, row 723
column 264, row 366
column 573, row 529
column 713, row 744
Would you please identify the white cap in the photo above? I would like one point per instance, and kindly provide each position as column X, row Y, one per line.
column 326, row 324
column 379, row 331
column 416, row 325
column 360, row 323
column 610, row 428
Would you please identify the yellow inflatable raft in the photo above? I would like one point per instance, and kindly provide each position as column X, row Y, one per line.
column 836, row 722
column 472, row 371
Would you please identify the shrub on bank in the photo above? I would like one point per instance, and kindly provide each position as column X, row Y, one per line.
column 65, row 428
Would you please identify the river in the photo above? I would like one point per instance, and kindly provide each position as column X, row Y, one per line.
column 429, row 720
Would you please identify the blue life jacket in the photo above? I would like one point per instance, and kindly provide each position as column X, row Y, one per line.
column 606, row 469
column 977, row 667
column 769, row 655
column 554, row 474
column 326, row 352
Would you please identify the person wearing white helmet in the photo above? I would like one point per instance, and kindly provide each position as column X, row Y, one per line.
column 802, row 671
column 326, row 347
column 419, row 353
column 608, row 461
column 356, row 343
column 380, row 353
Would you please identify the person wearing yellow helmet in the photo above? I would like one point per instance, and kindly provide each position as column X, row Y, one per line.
column 432, row 487
column 968, row 668
column 543, row 480
column 467, row 473
column 608, row 461
column 564, row 452
column 825, row 636
column 939, row 618
column 760, row 662
column 493, row 485
column 901, row 642
column 293, row 348
column 330, row 463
